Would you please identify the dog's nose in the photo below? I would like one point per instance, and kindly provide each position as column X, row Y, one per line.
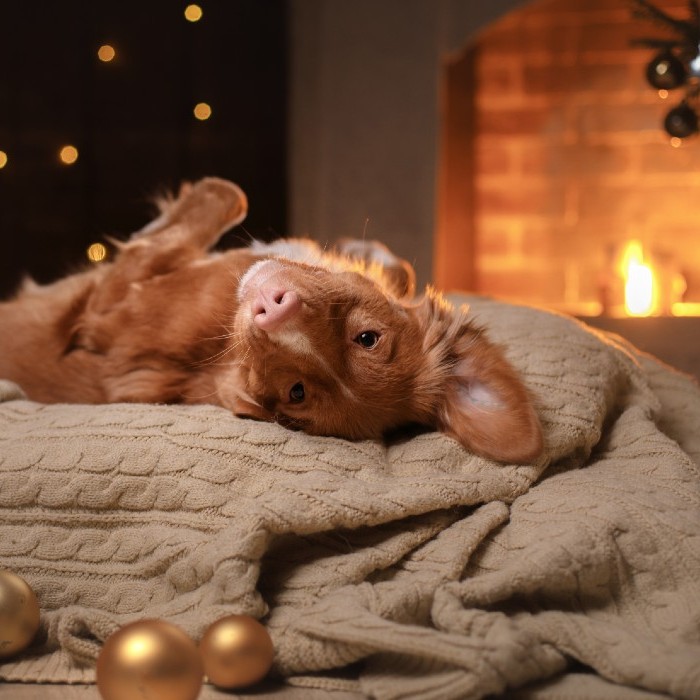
column 274, row 306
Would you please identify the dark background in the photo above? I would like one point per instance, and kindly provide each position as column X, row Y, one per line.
column 132, row 120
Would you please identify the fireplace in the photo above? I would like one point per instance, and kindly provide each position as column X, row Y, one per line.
column 507, row 148
column 559, row 186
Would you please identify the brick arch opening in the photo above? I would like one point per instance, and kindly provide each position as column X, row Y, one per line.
column 553, row 156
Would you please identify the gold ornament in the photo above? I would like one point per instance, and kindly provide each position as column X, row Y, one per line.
column 237, row 651
column 19, row 614
column 149, row 660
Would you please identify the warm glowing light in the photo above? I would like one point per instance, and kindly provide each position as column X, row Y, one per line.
column 685, row 308
column 106, row 53
column 202, row 111
column 193, row 13
column 641, row 287
column 663, row 94
column 676, row 142
column 96, row 253
column 639, row 290
column 3, row 159
column 68, row 155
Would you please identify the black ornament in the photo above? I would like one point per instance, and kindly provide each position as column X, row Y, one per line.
column 681, row 121
column 666, row 71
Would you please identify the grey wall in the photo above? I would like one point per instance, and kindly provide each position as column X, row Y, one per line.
column 364, row 116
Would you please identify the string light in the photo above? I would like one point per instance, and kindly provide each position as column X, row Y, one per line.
column 193, row 13
column 106, row 53
column 3, row 159
column 96, row 253
column 202, row 111
column 68, row 155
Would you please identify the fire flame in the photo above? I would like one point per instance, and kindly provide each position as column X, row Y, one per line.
column 641, row 285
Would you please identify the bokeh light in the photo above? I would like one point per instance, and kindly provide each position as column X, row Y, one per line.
column 202, row 111
column 106, row 53
column 68, row 155
column 3, row 159
column 96, row 253
column 193, row 13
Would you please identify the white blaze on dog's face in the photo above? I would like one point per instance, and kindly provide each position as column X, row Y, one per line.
column 333, row 354
column 328, row 352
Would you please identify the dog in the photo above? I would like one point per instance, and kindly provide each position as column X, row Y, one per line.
column 329, row 342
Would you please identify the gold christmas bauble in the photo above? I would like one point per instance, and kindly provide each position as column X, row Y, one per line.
column 19, row 614
column 237, row 651
column 149, row 660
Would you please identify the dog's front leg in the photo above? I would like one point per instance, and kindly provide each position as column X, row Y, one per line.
column 185, row 230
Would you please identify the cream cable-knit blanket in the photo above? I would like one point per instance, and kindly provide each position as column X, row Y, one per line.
column 445, row 575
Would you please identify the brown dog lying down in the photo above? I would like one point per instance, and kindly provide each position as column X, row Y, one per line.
column 331, row 344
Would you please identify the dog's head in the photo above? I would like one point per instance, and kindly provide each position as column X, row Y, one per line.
column 332, row 353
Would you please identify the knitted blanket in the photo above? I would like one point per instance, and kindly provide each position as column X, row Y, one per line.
column 412, row 569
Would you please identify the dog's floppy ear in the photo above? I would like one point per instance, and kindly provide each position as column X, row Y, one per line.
column 232, row 393
column 248, row 409
column 396, row 274
column 478, row 396
column 486, row 406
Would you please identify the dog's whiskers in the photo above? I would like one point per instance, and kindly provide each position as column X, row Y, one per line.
column 199, row 397
column 213, row 359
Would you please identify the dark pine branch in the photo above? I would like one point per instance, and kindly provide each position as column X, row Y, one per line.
column 694, row 8
column 661, row 44
column 689, row 30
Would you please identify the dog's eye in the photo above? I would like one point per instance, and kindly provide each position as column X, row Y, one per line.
column 296, row 393
column 367, row 339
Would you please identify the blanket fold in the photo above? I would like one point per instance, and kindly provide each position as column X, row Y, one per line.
column 428, row 571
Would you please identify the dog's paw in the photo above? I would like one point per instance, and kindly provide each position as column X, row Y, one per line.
column 202, row 211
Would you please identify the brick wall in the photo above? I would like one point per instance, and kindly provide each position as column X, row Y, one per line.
column 572, row 158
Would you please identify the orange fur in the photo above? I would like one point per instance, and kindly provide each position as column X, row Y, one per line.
column 330, row 344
